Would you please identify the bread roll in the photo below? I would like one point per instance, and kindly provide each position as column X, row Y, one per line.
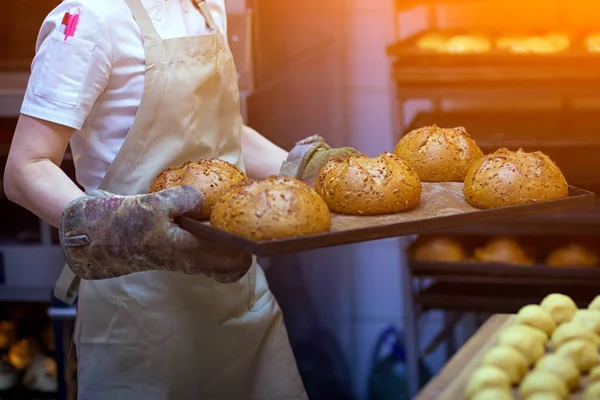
column 592, row 43
column 524, row 341
column 438, row 248
column 561, row 307
column 508, row 359
column 502, row 250
column 212, row 176
column 594, row 375
column 595, row 304
column 432, row 42
column 275, row 208
column 572, row 255
column 439, row 154
column 592, row 392
column 582, row 352
column 486, row 377
column 543, row 381
column 493, row 394
column 535, row 316
column 508, row 178
column 589, row 318
column 468, row 44
column 562, row 366
column 359, row 185
column 21, row 354
column 571, row 331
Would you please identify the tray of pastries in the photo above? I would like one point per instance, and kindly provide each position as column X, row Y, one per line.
column 546, row 351
column 497, row 48
column 435, row 178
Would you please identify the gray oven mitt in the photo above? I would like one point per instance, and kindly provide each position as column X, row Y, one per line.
column 309, row 155
column 105, row 236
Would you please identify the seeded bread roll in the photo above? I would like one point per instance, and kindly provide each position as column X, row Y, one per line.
column 275, row 208
column 211, row 176
column 508, row 178
column 360, row 185
column 439, row 154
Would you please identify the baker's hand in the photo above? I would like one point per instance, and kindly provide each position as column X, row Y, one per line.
column 309, row 155
column 105, row 236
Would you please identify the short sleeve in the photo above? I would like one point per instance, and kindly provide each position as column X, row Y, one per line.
column 68, row 76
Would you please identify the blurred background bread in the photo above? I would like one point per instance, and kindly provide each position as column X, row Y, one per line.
column 504, row 250
column 212, row 176
column 572, row 255
column 360, row 185
column 438, row 248
column 275, row 208
column 506, row 178
column 439, row 154
column 468, row 44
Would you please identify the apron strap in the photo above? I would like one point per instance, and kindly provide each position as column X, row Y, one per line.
column 205, row 11
column 143, row 20
column 66, row 287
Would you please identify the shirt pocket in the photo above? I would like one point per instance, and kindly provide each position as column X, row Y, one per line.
column 64, row 69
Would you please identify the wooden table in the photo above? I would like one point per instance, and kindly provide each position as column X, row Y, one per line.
column 436, row 388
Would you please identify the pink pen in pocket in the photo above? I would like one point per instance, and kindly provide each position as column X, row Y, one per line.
column 72, row 24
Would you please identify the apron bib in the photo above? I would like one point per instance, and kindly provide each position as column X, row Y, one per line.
column 162, row 335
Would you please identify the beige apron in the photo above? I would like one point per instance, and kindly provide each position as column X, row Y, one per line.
column 163, row 335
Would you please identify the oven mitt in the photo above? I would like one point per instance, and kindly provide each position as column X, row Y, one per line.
column 309, row 155
column 105, row 236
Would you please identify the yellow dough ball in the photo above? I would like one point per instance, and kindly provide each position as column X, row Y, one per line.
column 526, row 330
column 493, row 394
column 561, row 366
column 524, row 341
column 573, row 330
column 486, row 377
column 536, row 317
column 584, row 353
column 595, row 304
column 594, row 375
column 592, row 392
column 508, row 359
column 589, row 318
column 545, row 382
column 544, row 396
column 561, row 307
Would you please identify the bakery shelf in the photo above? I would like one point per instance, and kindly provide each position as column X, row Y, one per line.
column 497, row 298
column 415, row 70
column 496, row 273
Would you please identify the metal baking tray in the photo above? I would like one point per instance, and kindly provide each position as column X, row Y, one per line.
column 442, row 206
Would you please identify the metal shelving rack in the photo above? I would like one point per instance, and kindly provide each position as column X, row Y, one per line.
column 473, row 82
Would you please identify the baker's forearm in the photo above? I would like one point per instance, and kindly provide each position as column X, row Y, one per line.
column 32, row 177
column 42, row 188
column 262, row 157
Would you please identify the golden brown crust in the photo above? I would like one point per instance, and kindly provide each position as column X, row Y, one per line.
column 359, row 185
column 572, row 255
column 502, row 250
column 439, row 154
column 508, row 178
column 275, row 208
column 438, row 248
column 211, row 176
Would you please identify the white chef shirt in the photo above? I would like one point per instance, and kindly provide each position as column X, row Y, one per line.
column 93, row 82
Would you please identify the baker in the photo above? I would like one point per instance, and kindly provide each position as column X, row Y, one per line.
column 136, row 86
